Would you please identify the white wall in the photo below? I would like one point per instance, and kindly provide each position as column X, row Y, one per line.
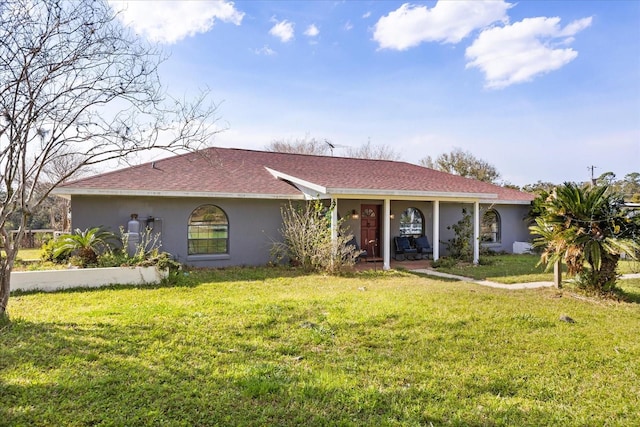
column 53, row 280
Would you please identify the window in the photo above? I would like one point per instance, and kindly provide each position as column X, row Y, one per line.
column 411, row 223
column 490, row 227
column 208, row 231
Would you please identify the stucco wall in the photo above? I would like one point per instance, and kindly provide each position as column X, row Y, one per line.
column 253, row 224
column 513, row 227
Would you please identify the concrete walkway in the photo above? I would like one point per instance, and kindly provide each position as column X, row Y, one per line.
column 513, row 286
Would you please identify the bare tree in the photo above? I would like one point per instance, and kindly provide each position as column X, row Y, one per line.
column 463, row 163
column 306, row 145
column 57, row 207
column 377, row 152
column 76, row 85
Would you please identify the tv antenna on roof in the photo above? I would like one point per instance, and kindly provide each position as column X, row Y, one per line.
column 332, row 146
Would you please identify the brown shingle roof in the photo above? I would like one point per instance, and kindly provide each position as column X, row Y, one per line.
column 244, row 173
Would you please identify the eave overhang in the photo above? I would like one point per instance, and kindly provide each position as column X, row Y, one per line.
column 68, row 192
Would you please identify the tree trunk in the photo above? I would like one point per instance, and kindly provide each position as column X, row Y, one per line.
column 6, row 266
column 5, row 287
column 557, row 274
column 608, row 275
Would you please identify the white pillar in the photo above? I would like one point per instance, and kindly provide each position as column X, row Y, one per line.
column 386, row 240
column 334, row 229
column 436, row 230
column 334, row 220
column 476, row 232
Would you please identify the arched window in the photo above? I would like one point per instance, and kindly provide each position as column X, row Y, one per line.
column 411, row 222
column 208, row 231
column 490, row 227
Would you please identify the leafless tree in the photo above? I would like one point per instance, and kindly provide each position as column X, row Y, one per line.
column 58, row 208
column 463, row 163
column 377, row 152
column 76, row 85
column 306, row 145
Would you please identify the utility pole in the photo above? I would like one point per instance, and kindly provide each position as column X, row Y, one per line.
column 593, row 178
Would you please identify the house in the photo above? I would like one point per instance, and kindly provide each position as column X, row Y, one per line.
column 220, row 207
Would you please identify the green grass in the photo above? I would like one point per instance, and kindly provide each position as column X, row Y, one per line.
column 256, row 347
column 511, row 269
column 27, row 254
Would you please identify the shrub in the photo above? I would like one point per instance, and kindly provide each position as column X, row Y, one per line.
column 308, row 242
column 47, row 253
column 460, row 246
column 85, row 245
column 146, row 254
column 444, row 262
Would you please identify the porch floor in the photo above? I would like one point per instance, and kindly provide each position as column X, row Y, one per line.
column 376, row 264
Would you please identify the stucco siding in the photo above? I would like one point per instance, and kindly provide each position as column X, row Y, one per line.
column 253, row 224
column 513, row 227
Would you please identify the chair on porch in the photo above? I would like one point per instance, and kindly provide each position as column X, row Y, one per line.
column 423, row 246
column 404, row 249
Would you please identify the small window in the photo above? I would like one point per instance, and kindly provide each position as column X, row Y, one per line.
column 368, row 213
column 490, row 227
column 208, row 231
column 411, row 223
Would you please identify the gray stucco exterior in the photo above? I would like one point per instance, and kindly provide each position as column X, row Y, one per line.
column 254, row 224
column 513, row 227
column 250, row 188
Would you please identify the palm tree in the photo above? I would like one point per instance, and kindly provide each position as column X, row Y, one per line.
column 85, row 244
column 587, row 228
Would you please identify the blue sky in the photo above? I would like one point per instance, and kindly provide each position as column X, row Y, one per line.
column 540, row 89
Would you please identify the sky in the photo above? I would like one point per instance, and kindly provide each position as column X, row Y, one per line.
column 542, row 90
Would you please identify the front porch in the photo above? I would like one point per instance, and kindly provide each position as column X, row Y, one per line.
column 375, row 223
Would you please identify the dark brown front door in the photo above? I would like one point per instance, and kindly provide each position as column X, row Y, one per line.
column 370, row 229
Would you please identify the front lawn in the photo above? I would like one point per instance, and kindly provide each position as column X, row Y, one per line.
column 257, row 347
column 517, row 269
column 27, row 254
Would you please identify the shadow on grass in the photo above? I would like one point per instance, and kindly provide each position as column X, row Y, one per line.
column 103, row 374
column 629, row 290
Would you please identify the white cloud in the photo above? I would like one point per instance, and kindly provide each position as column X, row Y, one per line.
column 348, row 26
column 171, row 21
column 519, row 52
column 312, row 31
column 446, row 22
column 282, row 30
column 265, row 50
column 366, row 15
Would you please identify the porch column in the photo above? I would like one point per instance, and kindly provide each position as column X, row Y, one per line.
column 435, row 240
column 476, row 232
column 334, row 220
column 386, row 240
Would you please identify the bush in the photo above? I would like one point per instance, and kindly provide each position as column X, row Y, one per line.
column 444, row 262
column 83, row 246
column 460, row 246
column 308, row 242
column 47, row 254
column 98, row 248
